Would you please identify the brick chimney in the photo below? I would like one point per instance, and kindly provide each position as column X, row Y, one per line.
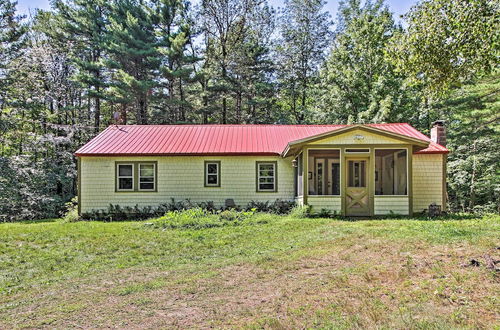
column 438, row 132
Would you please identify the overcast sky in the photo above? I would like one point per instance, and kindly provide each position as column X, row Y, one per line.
column 398, row 7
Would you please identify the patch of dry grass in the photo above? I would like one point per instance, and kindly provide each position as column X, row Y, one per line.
column 288, row 273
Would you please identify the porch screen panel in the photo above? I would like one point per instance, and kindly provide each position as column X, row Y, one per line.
column 391, row 172
column 324, row 172
column 300, row 176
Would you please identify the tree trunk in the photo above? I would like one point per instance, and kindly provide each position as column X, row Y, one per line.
column 472, row 200
column 224, row 110
column 238, row 107
column 123, row 115
column 224, row 77
column 97, row 114
column 181, row 105
column 141, row 115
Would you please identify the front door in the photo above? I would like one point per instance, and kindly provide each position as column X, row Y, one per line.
column 357, row 197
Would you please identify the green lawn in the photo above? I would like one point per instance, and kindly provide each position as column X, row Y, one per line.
column 275, row 272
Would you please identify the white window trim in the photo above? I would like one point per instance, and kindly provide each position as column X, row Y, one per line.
column 217, row 184
column 259, row 177
column 118, row 176
column 139, row 177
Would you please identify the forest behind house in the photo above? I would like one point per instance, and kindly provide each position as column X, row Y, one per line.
column 69, row 72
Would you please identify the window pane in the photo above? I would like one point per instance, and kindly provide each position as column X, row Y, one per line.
column 147, row 170
column 147, row 180
column 212, row 179
column 319, row 177
column 147, row 185
column 124, row 170
column 336, row 179
column 351, row 173
column 266, row 173
column 362, row 174
column 212, row 168
column 266, row 176
column 266, row 167
column 125, row 183
column 266, row 186
column 357, row 173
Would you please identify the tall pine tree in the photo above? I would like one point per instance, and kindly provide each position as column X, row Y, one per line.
column 133, row 58
column 305, row 35
column 174, row 31
column 83, row 24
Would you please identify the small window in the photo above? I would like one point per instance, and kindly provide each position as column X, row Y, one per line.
column 357, row 150
column 147, row 177
column 125, row 177
column 266, row 177
column 212, row 174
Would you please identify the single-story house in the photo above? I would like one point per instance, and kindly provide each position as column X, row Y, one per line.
column 354, row 170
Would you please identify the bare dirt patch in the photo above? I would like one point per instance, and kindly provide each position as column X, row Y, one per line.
column 366, row 284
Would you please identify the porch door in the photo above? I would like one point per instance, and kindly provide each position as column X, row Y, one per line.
column 357, row 197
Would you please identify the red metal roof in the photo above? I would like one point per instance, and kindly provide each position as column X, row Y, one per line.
column 144, row 140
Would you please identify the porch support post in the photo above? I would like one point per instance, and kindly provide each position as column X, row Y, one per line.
column 410, row 180
column 305, row 176
column 343, row 183
column 371, row 182
column 79, row 184
column 445, row 193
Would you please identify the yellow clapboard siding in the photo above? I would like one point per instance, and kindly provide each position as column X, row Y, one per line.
column 427, row 181
column 386, row 204
column 182, row 178
column 349, row 138
column 331, row 203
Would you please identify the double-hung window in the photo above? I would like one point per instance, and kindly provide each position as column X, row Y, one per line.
column 135, row 176
column 147, row 177
column 212, row 174
column 125, row 177
column 266, row 176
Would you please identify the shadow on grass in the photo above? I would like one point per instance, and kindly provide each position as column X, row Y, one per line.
column 416, row 217
column 27, row 222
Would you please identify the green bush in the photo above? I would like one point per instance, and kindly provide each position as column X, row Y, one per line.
column 198, row 218
column 300, row 211
column 192, row 218
column 71, row 214
column 120, row 213
column 235, row 215
column 277, row 207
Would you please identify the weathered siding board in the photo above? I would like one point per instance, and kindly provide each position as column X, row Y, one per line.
column 427, row 181
column 348, row 138
column 331, row 203
column 182, row 178
column 386, row 204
